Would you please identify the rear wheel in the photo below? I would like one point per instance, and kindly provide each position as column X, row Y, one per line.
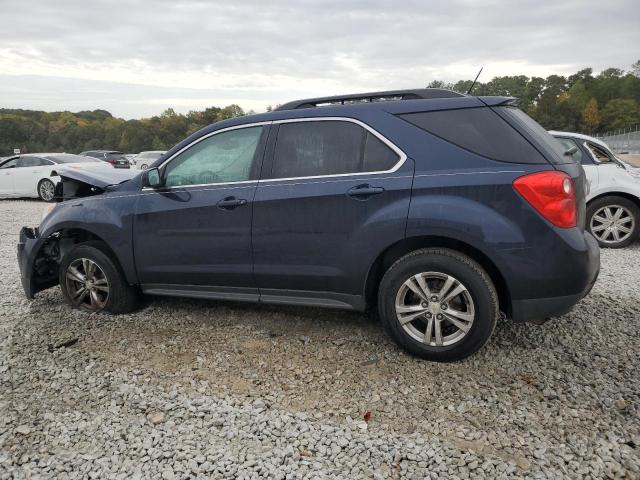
column 144, row 166
column 613, row 221
column 46, row 190
column 438, row 304
column 91, row 281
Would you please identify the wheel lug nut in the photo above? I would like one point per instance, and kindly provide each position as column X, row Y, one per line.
column 434, row 298
column 429, row 315
column 439, row 316
column 444, row 306
column 425, row 304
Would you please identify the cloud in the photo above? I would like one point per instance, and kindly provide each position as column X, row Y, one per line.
column 257, row 53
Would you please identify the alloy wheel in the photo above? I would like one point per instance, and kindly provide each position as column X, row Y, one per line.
column 46, row 190
column 612, row 224
column 87, row 285
column 435, row 309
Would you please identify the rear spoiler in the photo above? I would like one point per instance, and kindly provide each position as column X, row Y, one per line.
column 500, row 101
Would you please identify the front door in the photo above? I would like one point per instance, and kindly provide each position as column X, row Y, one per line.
column 193, row 236
column 333, row 194
column 28, row 172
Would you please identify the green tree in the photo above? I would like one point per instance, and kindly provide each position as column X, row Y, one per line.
column 590, row 116
column 620, row 113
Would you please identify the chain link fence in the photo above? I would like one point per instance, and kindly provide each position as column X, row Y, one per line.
column 623, row 141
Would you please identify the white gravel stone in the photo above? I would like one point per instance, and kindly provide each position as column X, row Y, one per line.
column 187, row 388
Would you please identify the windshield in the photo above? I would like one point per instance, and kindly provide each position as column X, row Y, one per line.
column 114, row 156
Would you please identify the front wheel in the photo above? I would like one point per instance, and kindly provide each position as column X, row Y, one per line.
column 92, row 281
column 613, row 221
column 438, row 304
column 143, row 166
column 46, row 190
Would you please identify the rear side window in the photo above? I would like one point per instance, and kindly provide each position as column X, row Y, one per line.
column 32, row 162
column 332, row 147
column 532, row 128
column 479, row 130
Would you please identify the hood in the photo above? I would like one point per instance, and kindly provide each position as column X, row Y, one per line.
column 98, row 177
column 76, row 182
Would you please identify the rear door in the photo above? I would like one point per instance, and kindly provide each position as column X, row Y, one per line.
column 333, row 194
column 6, row 176
column 193, row 237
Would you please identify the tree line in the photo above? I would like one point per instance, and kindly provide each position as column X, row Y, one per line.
column 582, row 102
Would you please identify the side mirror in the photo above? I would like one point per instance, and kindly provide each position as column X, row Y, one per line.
column 151, row 178
column 571, row 152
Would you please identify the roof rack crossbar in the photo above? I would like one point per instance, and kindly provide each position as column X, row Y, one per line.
column 422, row 93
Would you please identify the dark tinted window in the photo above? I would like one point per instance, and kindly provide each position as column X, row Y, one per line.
column 479, row 130
column 378, row 157
column 307, row 149
column 568, row 143
column 537, row 132
column 32, row 162
column 114, row 155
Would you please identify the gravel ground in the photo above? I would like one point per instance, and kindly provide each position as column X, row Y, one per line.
column 186, row 388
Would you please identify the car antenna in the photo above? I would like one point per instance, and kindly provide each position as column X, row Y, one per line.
column 474, row 82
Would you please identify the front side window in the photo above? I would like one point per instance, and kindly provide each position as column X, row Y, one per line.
column 599, row 153
column 225, row 157
column 318, row 148
column 567, row 144
column 11, row 163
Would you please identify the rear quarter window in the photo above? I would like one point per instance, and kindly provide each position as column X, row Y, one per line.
column 478, row 130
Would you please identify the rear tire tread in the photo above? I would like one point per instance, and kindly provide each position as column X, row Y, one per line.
column 453, row 353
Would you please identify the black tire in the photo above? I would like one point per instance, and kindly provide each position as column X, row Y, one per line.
column 121, row 298
column 447, row 262
column 46, row 190
column 143, row 166
column 613, row 201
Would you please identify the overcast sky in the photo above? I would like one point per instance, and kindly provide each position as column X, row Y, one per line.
column 137, row 58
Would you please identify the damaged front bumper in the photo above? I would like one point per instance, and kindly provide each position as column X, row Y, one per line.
column 37, row 272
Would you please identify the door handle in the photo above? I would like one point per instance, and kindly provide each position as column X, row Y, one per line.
column 229, row 203
column 364, row 191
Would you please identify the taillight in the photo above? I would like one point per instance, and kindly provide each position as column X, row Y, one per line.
column 552, row 194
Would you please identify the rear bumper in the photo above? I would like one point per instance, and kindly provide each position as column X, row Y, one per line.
column 533, row 309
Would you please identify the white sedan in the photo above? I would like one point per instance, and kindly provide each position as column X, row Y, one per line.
column 613, row 200
column 29, row 175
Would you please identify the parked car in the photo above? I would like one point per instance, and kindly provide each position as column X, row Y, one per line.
column 30, row 175
column 130, row 158
column 113, row 157
column 440, row 209
column 613, row 199
column 144, row 159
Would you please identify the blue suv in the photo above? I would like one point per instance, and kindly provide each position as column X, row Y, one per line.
column 439, row 210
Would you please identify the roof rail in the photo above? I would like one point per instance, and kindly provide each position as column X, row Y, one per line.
column 416, row 94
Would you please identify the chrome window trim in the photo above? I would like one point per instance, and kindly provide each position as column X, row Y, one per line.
column 382, row 138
